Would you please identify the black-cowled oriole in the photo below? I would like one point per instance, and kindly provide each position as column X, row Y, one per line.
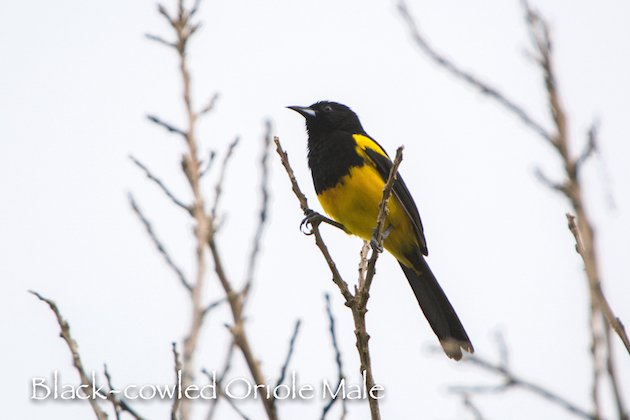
column 349, row 171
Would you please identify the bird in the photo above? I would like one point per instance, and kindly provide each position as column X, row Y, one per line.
column 349, row 170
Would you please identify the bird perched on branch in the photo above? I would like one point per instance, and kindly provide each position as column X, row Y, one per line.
column 349, row 171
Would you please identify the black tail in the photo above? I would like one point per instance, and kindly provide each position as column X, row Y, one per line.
column 438, row 311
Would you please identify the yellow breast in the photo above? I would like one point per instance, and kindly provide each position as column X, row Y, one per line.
column 354, row 203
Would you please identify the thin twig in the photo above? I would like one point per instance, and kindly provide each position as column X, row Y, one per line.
column 357, row 302
column 204, row 224
column 183, row 29
column 468, row 403
column 591, row 146
column 337, row 279
column 178, row 372
column 169, row 127
column 213, row 305
column 363, row 261
column 160, row 40
column 120, row 405
column 547, row 182
column 379, row 230
column 162, row 10
column 284, row 158
column 158, row 244
column 210, row 105
column 613, row 320
column 461, row 74
column 76, row 357
column 362, row 293
column 511, row 380
column 160, row 184
column 262, row 213
column 218, row 187
column 208, row 164
column 539, row 34
column 114, row 399
column 287, row 359
column 582, row 230
column 220, row 393
column 239, row 335
column 194, row 9
column 340, row 375
column 227, row 365
column 611, row 369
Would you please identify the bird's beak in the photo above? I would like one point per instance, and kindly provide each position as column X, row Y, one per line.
column 305, row 111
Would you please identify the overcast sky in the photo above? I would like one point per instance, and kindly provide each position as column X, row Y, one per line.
column 78, row 78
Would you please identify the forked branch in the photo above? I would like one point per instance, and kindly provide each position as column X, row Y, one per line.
column 357, row 302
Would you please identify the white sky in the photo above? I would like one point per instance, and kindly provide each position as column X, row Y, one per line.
column 78, row 78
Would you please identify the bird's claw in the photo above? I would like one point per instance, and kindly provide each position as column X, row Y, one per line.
column 374, row 243
column 311, row 220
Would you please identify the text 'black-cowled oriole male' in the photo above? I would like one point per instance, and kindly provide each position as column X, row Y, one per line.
column 349, row 171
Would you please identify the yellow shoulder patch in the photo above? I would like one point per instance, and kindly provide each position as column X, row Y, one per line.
column 364, row 143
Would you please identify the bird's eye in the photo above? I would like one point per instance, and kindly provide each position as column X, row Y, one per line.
column 327, row 108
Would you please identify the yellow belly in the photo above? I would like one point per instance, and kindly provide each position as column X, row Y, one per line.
column 354, row 203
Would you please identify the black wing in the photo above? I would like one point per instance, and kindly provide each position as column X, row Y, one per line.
column 384, row 165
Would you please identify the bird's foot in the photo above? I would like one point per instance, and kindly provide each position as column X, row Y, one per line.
column 374, row 242
column 313, row 219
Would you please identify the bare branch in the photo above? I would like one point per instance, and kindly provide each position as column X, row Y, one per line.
column 378, row 237
column 612, row 374
column 218, row 188
column 337, row 279
column 160, row 184
column 114, row 399
column 76, row 357
column 357, row 302
column 582, row 230
column 467, row 401
column 590, row 148
column 287, row 359
column 183, row 29
column 363, row 261
column 208, row 164
column 242, row 342
column 338, row 361
column 467, row 77
column 227, row 365
column 219, row 270
column 158, row 244
column 264, row 209
column 220, row 392
column 538, row 31
column 160, row 40
column 238, row 329
column 547, row 182
column 120, row 405
column 194, row 9
column 511, row 380
column 178, row 373
column 284, row 158
column 162, row 10
column 169, row 127
column 204, row 224
column 210, row 105
column 614, row 322
column 213, row 305
column 362, row 294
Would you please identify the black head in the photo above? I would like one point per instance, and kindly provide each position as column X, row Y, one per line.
column 325, row 116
